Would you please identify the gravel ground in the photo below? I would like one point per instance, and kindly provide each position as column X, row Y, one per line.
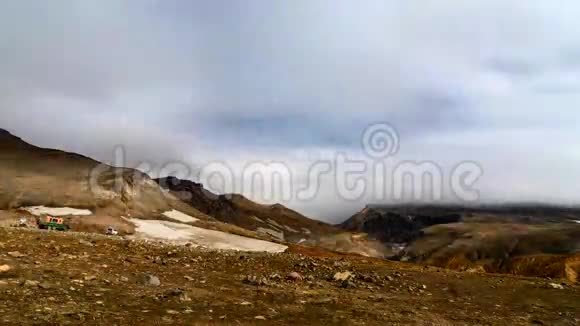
column 73, row 278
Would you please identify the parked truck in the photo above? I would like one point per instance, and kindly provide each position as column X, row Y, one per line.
column 53, row 223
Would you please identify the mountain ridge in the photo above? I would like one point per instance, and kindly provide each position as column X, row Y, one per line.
column 35, row 176
column 277, row 220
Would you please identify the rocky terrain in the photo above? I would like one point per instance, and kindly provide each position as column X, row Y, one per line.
column 73, row 278
column 187, row 256
column 396, row 226
column 272, row 222
column 89, row 196
column 33, row 176
column 277, row 220
column 531, row 240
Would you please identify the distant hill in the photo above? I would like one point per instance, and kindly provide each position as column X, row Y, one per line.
column 531, row 212
column 397, row 225
column 276, row 220
column 34, row 176
column 403, row 223
column 523, row 239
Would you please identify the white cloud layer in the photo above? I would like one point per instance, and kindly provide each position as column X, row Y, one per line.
column 489, row 81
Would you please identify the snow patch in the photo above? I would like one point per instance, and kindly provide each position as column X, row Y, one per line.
column 57, row 211
column 182, row 233
column 306, row 231
column 275, row 224
column 276, row 234
column 257, row 219
column 576, row 221
column 290, row 229
column 179, row 216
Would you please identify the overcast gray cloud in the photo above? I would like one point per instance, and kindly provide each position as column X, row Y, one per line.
column 490, row 81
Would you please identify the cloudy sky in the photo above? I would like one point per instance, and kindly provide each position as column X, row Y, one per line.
column 495, row 82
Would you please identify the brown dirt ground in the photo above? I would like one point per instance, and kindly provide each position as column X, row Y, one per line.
column 95, row 280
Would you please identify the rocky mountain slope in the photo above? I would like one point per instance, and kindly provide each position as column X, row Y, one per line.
column 541, row 249
column 277, row 220
column 37, row 182
column 533, row 240
column 32, row 176
column 395, row 226
column 527, row 240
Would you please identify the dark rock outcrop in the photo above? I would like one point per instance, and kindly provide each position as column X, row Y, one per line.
column 196, row 195
column 395, row 227
column 276, row 220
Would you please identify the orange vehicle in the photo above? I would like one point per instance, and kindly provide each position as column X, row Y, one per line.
column 53, row 223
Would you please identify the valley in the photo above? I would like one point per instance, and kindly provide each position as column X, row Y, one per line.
column 183, row 255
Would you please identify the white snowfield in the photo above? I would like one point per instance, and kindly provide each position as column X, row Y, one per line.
column 57, row 211
column 177, row 232
column 181, row 217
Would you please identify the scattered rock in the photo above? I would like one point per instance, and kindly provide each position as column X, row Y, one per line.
column 45, row 285
column 90, row 278
column 184, row 297
column 347, row 284
column 323, row 301
column 151, row 280
column 5, row 268
column 16, row 254
column 188, row 278
column 86, row 243
column 31, row 284
column 344, row 276
column 254, row 280
column 260, row 318
column 295, row 277
column 275, row 277
column 124, row 279
column 174, row 292
column 180, row 293
column 556, row 286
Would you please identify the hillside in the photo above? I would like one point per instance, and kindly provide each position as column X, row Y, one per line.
column 277, row 220
column 396, row 226
column 37, row 182
column 548, row 249
column 38, row 177
column 532, row 240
